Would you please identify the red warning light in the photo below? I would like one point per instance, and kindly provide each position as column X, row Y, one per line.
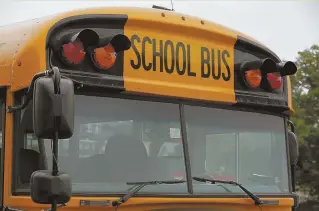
column 275, row 80
column 73, row 52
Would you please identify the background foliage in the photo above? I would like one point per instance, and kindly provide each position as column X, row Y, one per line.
column 306, row 104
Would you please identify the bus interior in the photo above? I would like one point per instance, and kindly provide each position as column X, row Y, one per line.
column 120, row 140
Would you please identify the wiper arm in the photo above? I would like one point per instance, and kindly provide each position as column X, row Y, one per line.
column 255, row 198
column 139, row 186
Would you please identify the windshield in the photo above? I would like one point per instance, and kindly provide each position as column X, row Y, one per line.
column 117, row 141
column 120, row 140
column 246, row 147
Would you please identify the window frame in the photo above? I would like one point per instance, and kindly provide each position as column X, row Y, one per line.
column 16, row 116
column 181, row 103
column 2, row 160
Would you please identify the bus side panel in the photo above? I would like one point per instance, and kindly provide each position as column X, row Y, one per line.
column 6, row 55
column 31, row 57
column 179, row 59
column 10, row 43
column 164, row 204
column 22, row 53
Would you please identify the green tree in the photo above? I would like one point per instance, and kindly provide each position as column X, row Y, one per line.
column 306, row 104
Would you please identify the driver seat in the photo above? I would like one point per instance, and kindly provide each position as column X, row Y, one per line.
column 126, row 159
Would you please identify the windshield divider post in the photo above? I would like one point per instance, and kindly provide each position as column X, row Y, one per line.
column 185, row 149
column 237, row 157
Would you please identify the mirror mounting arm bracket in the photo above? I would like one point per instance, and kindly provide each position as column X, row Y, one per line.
column 29, row 94
column 292, row 126
column 6, row 208
column 57, row 111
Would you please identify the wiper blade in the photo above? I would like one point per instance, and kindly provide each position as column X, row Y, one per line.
column 139, row 186
column 255, row 198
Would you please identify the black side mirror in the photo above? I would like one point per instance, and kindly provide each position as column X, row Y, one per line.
column 47, row 105
column 53, row 118
column 293, row 148
column 45, row 188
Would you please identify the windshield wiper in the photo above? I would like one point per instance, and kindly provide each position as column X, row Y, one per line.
column 250, row 194
column 139, row 186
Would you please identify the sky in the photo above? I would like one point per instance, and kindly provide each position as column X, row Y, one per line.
column 285, row 27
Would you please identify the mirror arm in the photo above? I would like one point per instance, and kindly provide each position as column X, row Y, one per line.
column 6, row 208
column 292, row 167
column 56, row 76
column 57, row 104
column 57, row 107
column 29, row 94
column 292, row 126
column 293, row 178
column 61, row 205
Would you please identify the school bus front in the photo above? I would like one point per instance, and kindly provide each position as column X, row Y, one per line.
column 160, row 96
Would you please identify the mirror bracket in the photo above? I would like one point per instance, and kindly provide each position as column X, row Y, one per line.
column 29, row 94
column 57, row 105
column 292, row 126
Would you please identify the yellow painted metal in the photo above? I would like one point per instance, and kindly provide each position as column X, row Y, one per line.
column 23, row 53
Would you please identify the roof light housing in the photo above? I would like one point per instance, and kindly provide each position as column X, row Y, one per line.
column 253, row 71
column 105, row 57
column 274, row 80
column 71, row 47
column 87, row 36
column 120, row 43
column 287, row 68
column 265, row 65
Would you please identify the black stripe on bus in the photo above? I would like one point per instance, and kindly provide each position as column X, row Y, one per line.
column 106, row 25
column 247, row 50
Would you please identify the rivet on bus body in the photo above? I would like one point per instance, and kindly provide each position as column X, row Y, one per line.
column 163, row 14
column 19, row 63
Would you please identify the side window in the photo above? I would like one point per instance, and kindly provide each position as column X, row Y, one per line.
column 28, row 149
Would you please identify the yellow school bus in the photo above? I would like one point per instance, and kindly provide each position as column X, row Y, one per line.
column 197, row 110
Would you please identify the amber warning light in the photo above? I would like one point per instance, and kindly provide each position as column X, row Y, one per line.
column 104, row 57
column 253, row 78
